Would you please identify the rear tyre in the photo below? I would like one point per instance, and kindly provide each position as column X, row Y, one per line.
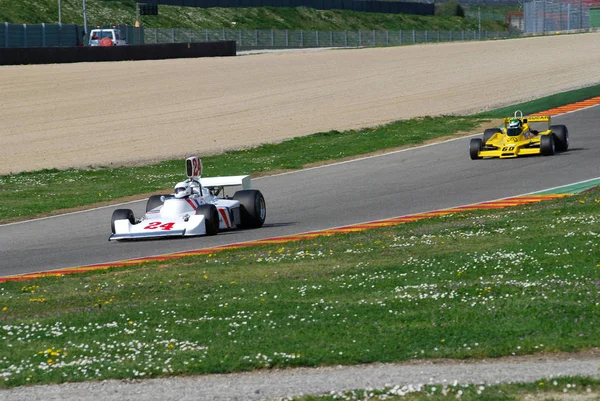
column 154, row 201
column 121, row 214
column 211, row 218
column 474, row 148
column 547, row 145
column 489, row 133
column 253, row 209
column 561, row 134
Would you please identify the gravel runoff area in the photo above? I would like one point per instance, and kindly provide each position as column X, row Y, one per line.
column 119, row 113
column 122, row 113
column 277, row 384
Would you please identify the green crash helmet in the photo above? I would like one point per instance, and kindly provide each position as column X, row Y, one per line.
column 514, row 123
column 514, row 127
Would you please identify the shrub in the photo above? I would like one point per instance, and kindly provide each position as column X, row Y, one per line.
column 450, row 9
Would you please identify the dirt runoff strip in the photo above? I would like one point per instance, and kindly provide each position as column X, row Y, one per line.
column 279, row 384
column 121, row 113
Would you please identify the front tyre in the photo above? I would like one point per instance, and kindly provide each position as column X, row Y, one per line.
column 547, row 145
column 153, row 202
column 561, row 134
column 121, row 214
column 253, row 209
column 489, row 133
column 474, row 148
column 211, row 218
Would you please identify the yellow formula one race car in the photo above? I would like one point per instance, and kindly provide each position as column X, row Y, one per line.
column 518, row 138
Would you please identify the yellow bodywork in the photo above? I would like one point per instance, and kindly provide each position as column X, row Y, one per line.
column 527, row 142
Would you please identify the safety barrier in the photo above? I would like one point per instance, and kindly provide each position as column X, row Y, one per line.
column 48, row 55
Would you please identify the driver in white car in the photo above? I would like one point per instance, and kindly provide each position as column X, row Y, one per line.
column 190, row 189
column 183, row 190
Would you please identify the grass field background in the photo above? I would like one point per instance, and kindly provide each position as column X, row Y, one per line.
column 297, row 18
column 480, row 284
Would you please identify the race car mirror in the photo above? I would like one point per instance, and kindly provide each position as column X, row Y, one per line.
column 193, row 167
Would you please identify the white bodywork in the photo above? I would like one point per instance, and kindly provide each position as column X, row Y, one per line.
column 177, row 217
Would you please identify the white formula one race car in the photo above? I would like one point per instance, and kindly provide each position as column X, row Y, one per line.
column 198, row 206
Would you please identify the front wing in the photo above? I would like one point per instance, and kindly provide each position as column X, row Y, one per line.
column 159, row 227
column 506, row 152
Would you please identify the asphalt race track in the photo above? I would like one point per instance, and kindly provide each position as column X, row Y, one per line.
column 412, row 181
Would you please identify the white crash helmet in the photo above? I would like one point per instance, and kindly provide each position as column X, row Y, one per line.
column 183, row 189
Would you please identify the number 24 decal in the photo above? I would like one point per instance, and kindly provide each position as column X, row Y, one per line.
column 157, row 224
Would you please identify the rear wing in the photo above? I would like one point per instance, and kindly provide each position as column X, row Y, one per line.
column 528, row 119
column 230, row 181
column 216, row 184
column 537, row 119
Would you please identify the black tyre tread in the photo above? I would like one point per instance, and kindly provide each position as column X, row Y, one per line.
column 211, row 216
column 253, row 209
column 153, row 202
column 547, row 145
column 121, row 214
column 474, row 147
column 490, row 132
column 561, row 136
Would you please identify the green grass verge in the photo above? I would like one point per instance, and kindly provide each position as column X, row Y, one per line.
column 38, row 193
column 573, row 388
column 545, row 103
column 124, row 12
column 29, row 194
column 480, row 284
